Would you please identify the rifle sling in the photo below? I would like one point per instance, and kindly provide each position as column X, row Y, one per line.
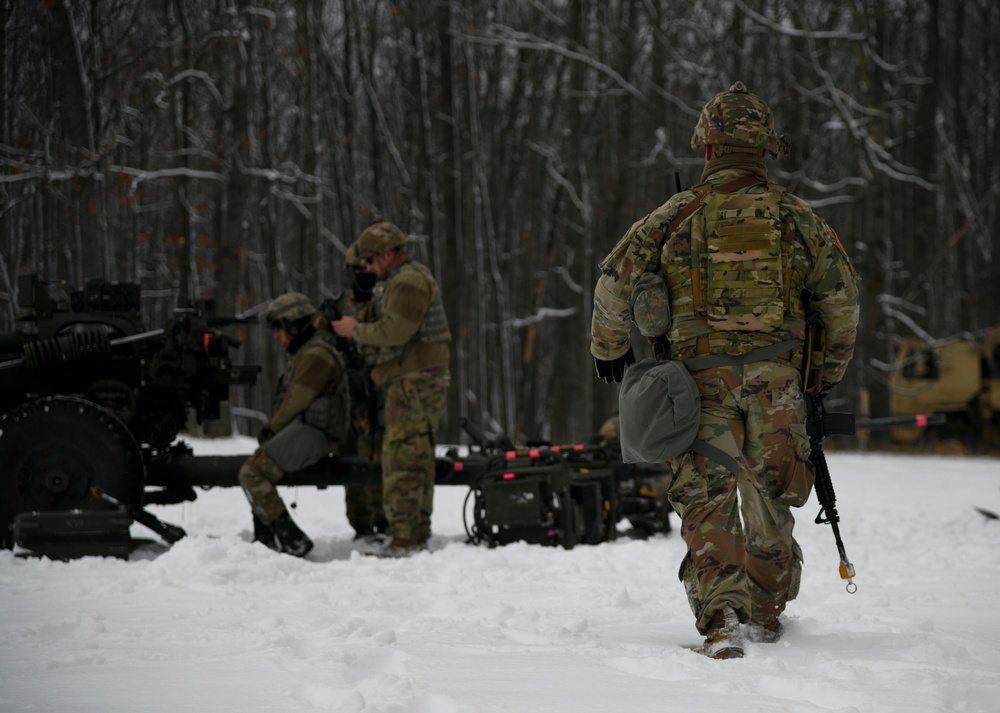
column 717, row 454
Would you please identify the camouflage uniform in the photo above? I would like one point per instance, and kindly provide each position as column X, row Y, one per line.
column 736, row 272
column 309, row 422
column 406, row 338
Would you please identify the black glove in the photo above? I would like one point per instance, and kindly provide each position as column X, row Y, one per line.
column 613, row 370
column 364, row 284
column 264, row 434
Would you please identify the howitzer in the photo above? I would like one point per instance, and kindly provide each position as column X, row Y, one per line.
column 93, row 401
column 819, row 425
column 90, row 397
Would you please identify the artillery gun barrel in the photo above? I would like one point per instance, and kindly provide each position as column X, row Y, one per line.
column 137, row 337
column 222, row 471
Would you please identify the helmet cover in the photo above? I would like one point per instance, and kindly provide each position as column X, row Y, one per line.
column 378, row 239
column 739, row 118
column 292, row 306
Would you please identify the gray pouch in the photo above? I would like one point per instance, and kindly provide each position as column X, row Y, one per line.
column 659, row 411
column 296, row 446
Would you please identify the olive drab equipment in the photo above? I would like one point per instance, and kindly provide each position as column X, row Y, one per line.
column 330, row 413
column 433, row 328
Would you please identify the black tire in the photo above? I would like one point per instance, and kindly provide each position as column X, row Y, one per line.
column 54, row 450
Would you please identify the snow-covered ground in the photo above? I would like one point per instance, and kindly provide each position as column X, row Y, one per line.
column 216, row 623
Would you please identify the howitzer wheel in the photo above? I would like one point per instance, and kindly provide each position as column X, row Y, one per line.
column 53, row 451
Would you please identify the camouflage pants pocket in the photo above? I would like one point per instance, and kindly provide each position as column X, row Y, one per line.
column 797, row 473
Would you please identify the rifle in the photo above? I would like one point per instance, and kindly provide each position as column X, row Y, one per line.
column 819, row 425
column 361, row 383
column 331, row 310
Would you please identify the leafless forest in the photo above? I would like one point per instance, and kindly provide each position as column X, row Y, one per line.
column 232, row 149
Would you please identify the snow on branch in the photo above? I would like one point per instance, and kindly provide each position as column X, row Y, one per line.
column 573, row 285
column 509, row 37
column 540, row 316
column 551, row 159
column 789, row 31
column 198, row 74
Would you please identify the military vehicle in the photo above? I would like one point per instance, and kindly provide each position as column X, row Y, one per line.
column 957, row 377
column 92, row 403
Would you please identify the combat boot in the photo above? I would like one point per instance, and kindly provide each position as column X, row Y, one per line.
column 765, row 632
column 290, row 538
column 399, row 547
column 371, row 536
column 724, row 639
column 265, row 535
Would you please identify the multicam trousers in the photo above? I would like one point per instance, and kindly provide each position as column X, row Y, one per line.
column 414, row 404
column 741, row 552
column 258, row 476
column 294, row 447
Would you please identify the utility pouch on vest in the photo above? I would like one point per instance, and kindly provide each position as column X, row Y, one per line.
column 659, row 411
column 649, row 305
column 744, row 281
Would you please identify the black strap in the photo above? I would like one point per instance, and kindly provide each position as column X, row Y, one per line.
column 717, row 454
column 701, row 191
column 710, row 361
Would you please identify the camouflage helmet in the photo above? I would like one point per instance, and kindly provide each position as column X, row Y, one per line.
column 738, row 118
column 380, row 238
column 288, row 308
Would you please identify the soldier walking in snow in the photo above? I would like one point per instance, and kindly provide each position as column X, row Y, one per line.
column 741, row 265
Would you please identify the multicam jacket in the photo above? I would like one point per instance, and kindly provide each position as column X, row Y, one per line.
column 404, row 329
column 745, row 270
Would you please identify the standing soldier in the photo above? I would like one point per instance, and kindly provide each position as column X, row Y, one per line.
column 742, row 265
column 406, row 334
column 310, row 422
